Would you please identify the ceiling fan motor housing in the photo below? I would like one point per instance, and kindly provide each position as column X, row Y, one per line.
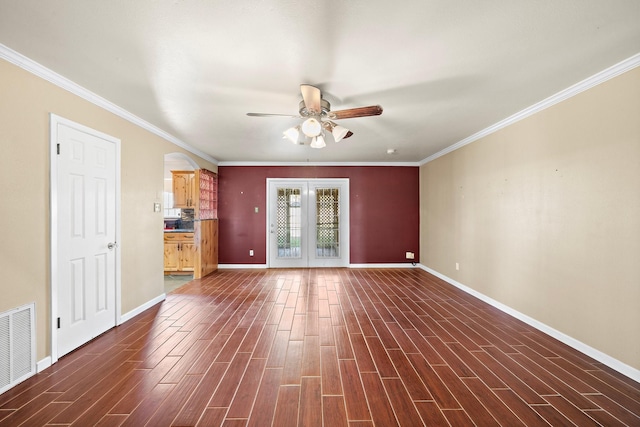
column 324, row 105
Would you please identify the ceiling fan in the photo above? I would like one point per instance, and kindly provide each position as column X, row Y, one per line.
column 318, row 117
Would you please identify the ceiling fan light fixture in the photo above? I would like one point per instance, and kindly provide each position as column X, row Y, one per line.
column 311, row 127
column 292, row 134
column 318, row 142
column 339, row 132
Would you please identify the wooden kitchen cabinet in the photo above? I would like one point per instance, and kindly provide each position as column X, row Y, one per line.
column 179, row 253
column 184, row 189
column 206, row 235
column 188, row 256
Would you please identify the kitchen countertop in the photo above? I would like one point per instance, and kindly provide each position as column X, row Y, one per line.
column 177, row 230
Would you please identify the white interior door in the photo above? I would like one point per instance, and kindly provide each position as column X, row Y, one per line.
column 85, row 238
column 308, row 223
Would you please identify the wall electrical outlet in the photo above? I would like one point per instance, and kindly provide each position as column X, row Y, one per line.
column 410, row 255
column 457, row 266
column 250, row 252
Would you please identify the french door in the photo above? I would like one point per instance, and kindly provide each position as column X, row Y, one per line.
column 308, row 223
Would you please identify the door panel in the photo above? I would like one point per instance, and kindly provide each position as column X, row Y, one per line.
column 308, row 223
column 287, row 224
column 86, row 264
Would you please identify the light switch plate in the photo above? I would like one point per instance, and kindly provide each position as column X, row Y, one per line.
column 156, row 207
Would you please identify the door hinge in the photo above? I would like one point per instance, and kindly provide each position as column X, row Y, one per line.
column 58, row 323
column 58, row 148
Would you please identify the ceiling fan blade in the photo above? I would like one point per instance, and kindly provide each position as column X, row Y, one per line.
column 270, row 115
column 349, row 134
column 312, row 98
column 373, row 110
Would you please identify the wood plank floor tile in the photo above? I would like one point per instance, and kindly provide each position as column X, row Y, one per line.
column 436, row 387
column 476, row 411
column 478, row 368
column 574, row 414
column 207, row 357
column 131, row 398
column 111, row 421
column 185, row 362
column 212, row 417
column 330, row 371
column 616, row 391
column 149, row 405
column 334, row 413
column 431, row 414
column 310, row 406
column 552, row 415
column 606, row 419
column 518, row 406
column 343, row 342
column 80, row 404
column 384, row 366
column 406, row 412
column 265, row 341
column 278, row 351
column 229, row 384
column 494, row 405
column 293, row 363
column 195, row 406
column 414, row 385
column 615, row 409
column 458, row 418
column 286, row 414
column 382, row 412
column 331, row 347
column 362, row 353
column 265, row 403
column 354, row 397
column 174, row 402
column 247, row 389
column 509, row 378
column 45, row 415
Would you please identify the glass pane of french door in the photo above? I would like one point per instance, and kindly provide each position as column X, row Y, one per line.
column 289, row 222
column 327, row 222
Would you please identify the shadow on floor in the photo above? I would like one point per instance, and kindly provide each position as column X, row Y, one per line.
column 172, row 282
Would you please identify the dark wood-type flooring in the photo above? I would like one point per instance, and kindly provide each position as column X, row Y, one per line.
column 323, row 347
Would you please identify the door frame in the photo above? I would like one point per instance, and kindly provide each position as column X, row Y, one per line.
column 54, row 122
column 344, row 217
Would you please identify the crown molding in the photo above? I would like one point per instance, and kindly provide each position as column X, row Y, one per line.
column 588, row 83
column 62, row 82
column 396, row 164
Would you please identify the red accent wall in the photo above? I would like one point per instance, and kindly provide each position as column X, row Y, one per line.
column 383, row 204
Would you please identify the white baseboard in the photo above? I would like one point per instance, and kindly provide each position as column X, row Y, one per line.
column 43, row 364
column 383, row 265
column 128, row 316
column 259, row 266
column 241, row 266
column 611, row 362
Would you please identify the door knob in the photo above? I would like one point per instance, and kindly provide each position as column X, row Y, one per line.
column 112, row 245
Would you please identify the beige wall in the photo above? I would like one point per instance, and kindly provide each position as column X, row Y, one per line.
column 25, row 104
column 544, row 217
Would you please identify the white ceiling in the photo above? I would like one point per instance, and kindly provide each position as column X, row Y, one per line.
column 441, row 69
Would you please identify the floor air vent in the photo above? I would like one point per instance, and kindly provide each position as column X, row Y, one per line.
column 17, row 346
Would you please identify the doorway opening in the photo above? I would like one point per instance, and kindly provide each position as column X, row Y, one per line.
column 175, row 218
